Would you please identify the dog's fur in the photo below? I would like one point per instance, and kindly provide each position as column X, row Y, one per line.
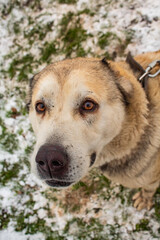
column 123, row 132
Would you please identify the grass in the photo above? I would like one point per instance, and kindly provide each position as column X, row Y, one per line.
column 48, row 50
column 143, row 225
column 86, row 11
column 38, row 32
column 22, row 66
column 73, row 35
column 67, row 1
column 157, row 205
column 8, row 140
column 11, row 5
column 92, row 229
column 4, row 219
column 105, row 39
column 8, row 172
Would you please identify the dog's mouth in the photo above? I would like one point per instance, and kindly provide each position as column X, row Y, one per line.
column 58, row 184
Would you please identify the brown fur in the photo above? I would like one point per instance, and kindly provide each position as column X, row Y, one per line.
column 132, row 156
column 141, row 166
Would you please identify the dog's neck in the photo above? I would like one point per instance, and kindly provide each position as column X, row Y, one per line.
column 133, row 127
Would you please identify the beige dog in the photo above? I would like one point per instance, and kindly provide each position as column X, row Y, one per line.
column 90, row 112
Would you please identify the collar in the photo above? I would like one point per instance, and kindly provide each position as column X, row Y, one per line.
column 144, row 73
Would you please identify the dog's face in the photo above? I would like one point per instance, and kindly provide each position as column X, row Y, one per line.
column 76, row 108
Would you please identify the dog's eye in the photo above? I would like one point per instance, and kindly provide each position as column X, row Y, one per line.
column 89, row 106
column 40, row 107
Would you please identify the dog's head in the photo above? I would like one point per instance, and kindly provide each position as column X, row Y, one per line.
column 76, row 107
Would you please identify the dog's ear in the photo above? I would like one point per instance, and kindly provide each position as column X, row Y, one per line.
column 105, row 62
column 32, row 81
column 120, row 77
column 126, row 89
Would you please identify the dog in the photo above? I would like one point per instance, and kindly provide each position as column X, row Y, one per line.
column 88, row 112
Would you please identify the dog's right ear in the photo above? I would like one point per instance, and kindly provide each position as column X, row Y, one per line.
column 120, row 77
column 105, row 62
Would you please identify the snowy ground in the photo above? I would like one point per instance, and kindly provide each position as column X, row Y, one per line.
column 33, row 34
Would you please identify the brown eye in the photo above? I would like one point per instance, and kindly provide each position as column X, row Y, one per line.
column 40, row 107
column 89, row 106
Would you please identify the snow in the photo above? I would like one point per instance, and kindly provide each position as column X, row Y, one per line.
column 10, row 234
column 6, row 195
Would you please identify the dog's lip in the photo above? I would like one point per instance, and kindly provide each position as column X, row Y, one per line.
column 58, row 184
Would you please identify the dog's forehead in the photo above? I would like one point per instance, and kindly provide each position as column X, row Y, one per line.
column 71, row 76
column 83, row 80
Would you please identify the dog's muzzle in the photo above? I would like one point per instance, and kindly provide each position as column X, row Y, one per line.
column 52, row 165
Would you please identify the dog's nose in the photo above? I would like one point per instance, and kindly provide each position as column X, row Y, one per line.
column 51, row 161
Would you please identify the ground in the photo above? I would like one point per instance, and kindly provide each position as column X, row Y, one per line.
column 33, row 34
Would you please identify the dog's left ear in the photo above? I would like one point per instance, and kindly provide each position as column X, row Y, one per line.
column 120, row 77
column 31, row 80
